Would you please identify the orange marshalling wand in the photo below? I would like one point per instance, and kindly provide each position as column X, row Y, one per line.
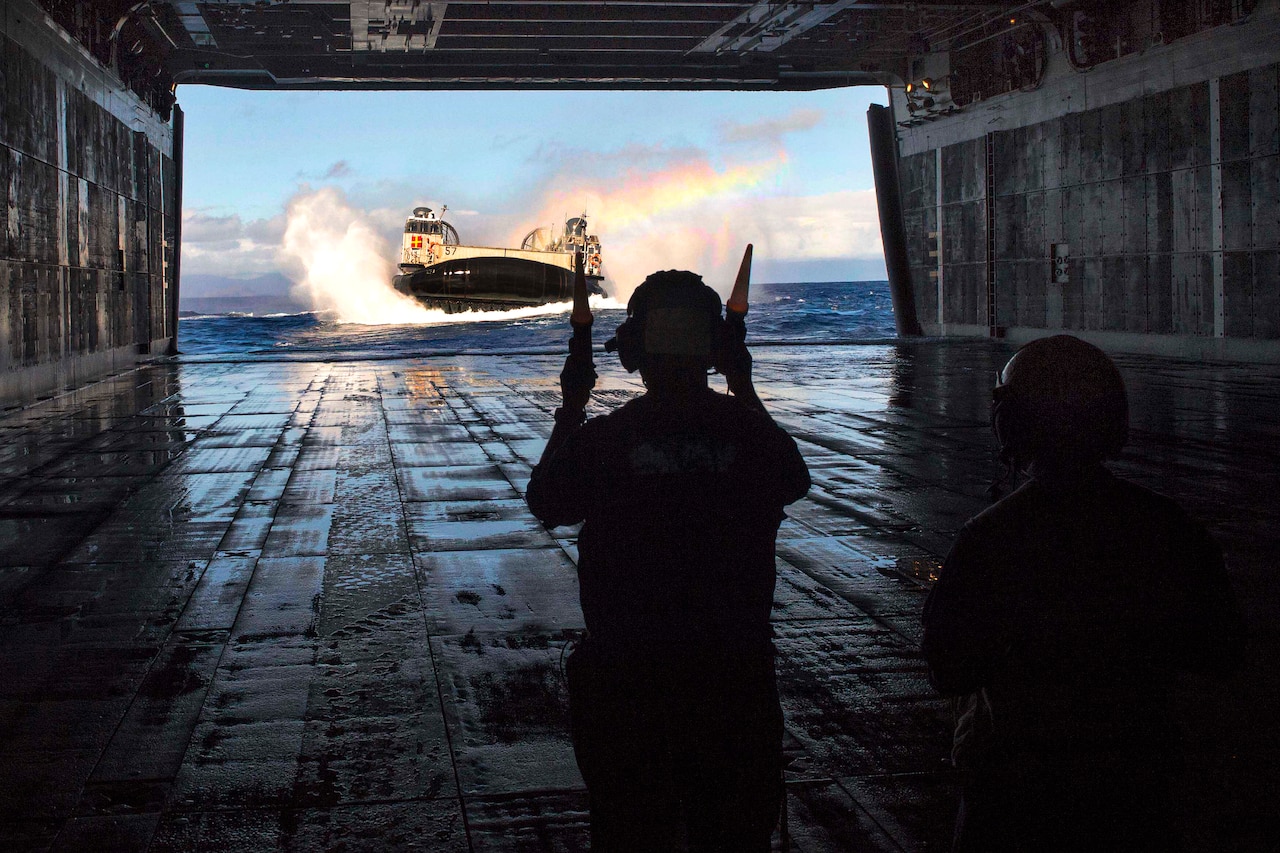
column 581, row 317
column 737, row 304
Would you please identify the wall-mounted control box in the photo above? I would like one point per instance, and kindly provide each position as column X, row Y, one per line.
column 1058, row 256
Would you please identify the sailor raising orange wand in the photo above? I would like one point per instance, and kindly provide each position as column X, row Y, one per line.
column 732, row 358
column 579, row 374
column 581, row 318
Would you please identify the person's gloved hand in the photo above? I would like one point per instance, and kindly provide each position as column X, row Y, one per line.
column 733, row 359
column 579, row 374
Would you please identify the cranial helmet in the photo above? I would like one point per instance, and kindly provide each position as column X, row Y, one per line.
column 672, row 315
column 1059, row 401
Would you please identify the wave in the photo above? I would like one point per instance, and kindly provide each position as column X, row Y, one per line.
column 245, row 315
column 800, row 313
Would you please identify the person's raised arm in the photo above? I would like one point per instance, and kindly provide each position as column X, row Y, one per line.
column 732, row 358
column 547, row 495
column 579, row 374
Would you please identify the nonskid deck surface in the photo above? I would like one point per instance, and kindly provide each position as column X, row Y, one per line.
column 261, row 606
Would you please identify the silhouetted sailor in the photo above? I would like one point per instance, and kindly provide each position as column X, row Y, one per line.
column 676, row 722
column 1062, row 615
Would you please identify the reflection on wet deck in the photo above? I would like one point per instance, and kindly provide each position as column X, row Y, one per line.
column 302, row 605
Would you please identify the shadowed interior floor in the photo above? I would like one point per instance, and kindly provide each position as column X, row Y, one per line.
column 301, row 605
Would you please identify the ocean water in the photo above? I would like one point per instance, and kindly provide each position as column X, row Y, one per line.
column 828, row 312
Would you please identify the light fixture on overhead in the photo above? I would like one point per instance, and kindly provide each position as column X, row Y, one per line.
column 928, row 98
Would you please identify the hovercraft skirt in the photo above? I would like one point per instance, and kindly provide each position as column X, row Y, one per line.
column 486, row 284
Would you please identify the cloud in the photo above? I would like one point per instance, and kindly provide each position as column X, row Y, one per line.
column 772, row 130
column 699, row 215
column 199, row 285
column 265, row 230
column 229, row 246
column 235, row 259
column 504, row 140
column 340, row 169
column 605, row 164
column 841, row 224
column 198, row 227
column 708, row 236
column 336, row 170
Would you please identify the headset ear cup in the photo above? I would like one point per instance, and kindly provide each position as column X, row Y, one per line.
column 1005, row 417
column 630, row 344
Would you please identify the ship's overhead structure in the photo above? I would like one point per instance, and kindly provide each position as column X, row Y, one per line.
column 440, row 272
column 1108, row 169
column 669, row 44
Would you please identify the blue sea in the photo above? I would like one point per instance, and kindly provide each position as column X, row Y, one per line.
column 828, row 312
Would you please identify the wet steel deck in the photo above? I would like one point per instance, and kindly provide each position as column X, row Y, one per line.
column 301, row 605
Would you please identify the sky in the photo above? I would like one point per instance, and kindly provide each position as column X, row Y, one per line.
column 666, row 179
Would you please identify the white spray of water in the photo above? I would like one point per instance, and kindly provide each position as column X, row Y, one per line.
column 341, row 265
